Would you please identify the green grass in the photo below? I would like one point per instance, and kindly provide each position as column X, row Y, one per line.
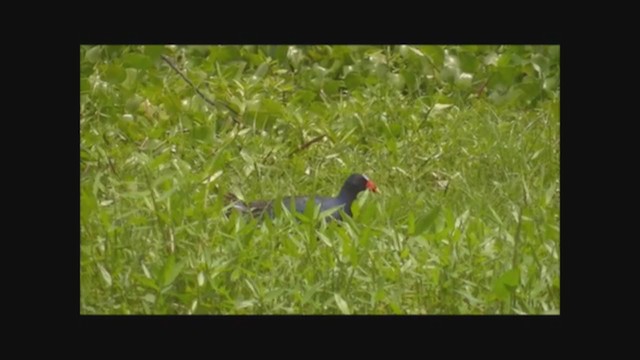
column 463, row 142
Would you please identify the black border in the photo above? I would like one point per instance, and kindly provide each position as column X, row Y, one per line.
column 425, row 31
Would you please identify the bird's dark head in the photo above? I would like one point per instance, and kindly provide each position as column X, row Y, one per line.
column 357, row 183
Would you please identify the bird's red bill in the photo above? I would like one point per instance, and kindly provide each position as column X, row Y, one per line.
column 372, row 186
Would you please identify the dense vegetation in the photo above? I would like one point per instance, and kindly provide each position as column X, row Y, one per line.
column 463, row 142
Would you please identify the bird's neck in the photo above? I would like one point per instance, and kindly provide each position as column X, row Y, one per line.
column 347, row 195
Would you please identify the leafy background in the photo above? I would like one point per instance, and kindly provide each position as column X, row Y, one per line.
column 463, row 141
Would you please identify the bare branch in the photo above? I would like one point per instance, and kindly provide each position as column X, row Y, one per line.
column 307, row 144
column 213, row 103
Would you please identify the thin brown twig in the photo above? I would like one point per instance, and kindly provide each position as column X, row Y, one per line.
column 113, row 168
column 264, row 159
column 213, row 103
column 307, row 144
column 484, row 85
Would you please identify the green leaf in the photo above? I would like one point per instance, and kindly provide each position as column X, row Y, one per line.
column 469, row 61
column 500, row 291
column 425, row 222
column 464, row 81
column 303, row 97
column 154, row 51
column 245, row 304
column 171, row 270
column 330, row 211
column 396, row 80
column 331, row 87
column 224, row 54
column 137, row 61
column 235, row 274
column 435, row 53
column 365, row 236
column 146, row 282
column 324, row 238
column 473, row 300
column 496, row 216
column 277, row 52
column 202, row 133
column 555, row 110
column 105, row 275
column 462, row 219
column 130, row 82
column 506, row 283
column 273, row 294
column 342, row 305
column 261, row 71
column 542, row 63
column 554, row 52
column 395, row 308
column 271, row 107
column 353, row 80
column 88, row 204
column 392, row 145
column 97, row 185
column 504, row 76
column 115, row 50
column 311, row 209
column 531, row 90
column 511, row 277
column 160, row 160
column 115, row 74
column 93, row 55
column 411, row 224
column 85, row 86
column 411, row 79
column 366, row 213
column 133, row 103
column 407, row 51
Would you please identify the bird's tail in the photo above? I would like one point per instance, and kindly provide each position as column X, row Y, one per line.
column 256, row 208
column 234, row 203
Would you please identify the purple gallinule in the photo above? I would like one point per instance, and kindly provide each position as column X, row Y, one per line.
column 354, row 184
